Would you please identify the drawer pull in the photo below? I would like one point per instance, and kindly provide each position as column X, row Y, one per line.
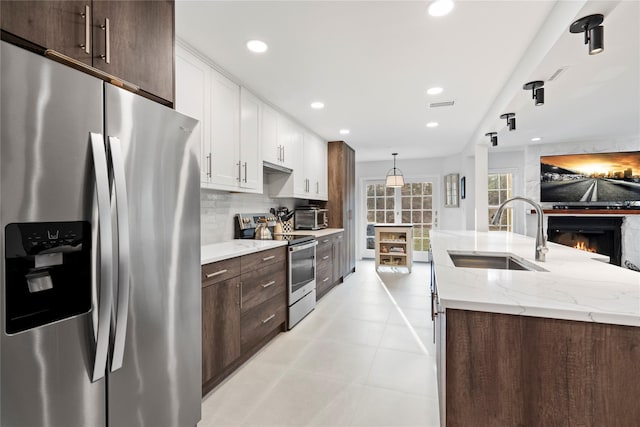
column 266, row 285
column 326, row 279
column 217, row 273
column 269, row 318
column 268, row 258
column 325, row 241
column 325, row 257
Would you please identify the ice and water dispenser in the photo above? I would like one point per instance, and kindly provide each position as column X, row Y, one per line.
column 47, row 273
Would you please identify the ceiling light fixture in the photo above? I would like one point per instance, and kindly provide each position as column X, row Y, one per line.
column 536, row 139
column 493, row 137
column 345, row 131
column 537, row 91
column 511, row 120
column 257, row 46
column 432, row 124
column 394, row 176
column 317, row 105
column 434, row 90
column 440, row 7
column 593, row 32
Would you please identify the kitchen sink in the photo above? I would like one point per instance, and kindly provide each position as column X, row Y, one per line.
column 492, row 260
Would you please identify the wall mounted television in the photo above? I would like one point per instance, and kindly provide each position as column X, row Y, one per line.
column 591, row 179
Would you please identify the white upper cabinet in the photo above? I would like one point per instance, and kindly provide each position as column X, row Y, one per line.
column 225, row 133
column 250, row 143
column 315, row 156
column 288, row 140
column 271, row 150
column 193, row 99
column 230, row 125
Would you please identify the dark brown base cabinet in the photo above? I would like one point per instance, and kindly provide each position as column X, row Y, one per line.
column 244, row 305
column 342, row 199
column 508, row 370
column 329, row 260
column 139, row 49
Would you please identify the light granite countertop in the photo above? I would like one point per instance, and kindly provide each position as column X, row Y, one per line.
column 317, row 233
column 233, row 248
column 578, row 285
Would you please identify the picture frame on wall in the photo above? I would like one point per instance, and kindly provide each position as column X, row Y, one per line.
column 451, row 190
column 463, row 187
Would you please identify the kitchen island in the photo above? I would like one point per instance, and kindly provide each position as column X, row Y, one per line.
column 554, row 347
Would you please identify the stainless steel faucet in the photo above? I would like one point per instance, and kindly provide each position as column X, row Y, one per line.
column 541, row 244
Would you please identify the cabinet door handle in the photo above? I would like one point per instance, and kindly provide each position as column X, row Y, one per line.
column 240, row 294
column 325, row 257
column 283, row 154
column 266, row 285
column 268, row 318
column 268, row 258
column 87, row 29
column 245, row 172
column 217, row 273
column 239, row 179
column 326, row 279
column 317, row 187
column 107, row 43
column 209, row 165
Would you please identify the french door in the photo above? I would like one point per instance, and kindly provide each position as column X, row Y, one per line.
column 414, row 203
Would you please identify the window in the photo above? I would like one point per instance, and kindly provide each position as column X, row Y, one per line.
column 500, row 189
column 415, row 203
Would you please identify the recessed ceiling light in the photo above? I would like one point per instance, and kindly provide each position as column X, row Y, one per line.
column 432, row 124
column 257, row 46
column 440, row 7
column 434, row 90
column 317, row 105
column 344, row 131
column 536, row 139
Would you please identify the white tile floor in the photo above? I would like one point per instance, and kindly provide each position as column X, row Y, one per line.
column 363, row 357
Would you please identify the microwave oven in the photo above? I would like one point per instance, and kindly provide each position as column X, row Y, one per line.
column 310, row 219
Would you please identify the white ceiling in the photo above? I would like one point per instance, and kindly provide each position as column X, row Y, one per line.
column 371, row 63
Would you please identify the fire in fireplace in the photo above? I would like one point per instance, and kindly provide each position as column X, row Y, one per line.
column 593, row 234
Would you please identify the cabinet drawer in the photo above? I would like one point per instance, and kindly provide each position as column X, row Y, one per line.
column 219, row 271
column 323, row 279
column 259, row 322
column 324, row 242
column 262, row 284
column 324, row 254
column 263, row 258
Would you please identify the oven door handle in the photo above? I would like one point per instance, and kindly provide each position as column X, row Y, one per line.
column 296, row 248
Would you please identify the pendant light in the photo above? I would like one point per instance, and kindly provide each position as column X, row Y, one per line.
column 394, row 176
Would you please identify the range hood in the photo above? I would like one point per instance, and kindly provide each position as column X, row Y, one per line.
column 273, row 168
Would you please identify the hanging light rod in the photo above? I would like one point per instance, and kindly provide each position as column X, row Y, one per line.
column 537, row 91
column 593, row 32
column 394, row 176
column 511, row 120
column 493, row 137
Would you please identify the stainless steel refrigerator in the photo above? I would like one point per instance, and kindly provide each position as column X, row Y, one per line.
column 100, row 231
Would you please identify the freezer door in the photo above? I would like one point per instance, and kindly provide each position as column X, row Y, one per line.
column 159, row 382
column 47, row 112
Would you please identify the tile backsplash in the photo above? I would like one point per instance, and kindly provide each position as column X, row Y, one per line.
column 218, row 210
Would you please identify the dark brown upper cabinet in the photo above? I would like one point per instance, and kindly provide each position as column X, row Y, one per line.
column 130, row 40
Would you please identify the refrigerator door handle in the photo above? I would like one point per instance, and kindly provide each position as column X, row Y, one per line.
column 104, row 278
column 121, row 309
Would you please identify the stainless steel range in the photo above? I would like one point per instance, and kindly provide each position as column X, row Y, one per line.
column 301, row 264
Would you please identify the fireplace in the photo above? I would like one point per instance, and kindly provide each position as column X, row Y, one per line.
column 593, row 234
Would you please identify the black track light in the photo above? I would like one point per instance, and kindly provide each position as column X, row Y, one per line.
column 511, row 120
column 593, row 32
column 537, row 91
column 493, row 137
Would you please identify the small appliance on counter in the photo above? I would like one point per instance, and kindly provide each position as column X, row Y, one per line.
column 310, row 218
column 301, row 265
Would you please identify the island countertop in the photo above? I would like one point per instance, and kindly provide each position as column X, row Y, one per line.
column 577, row 285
